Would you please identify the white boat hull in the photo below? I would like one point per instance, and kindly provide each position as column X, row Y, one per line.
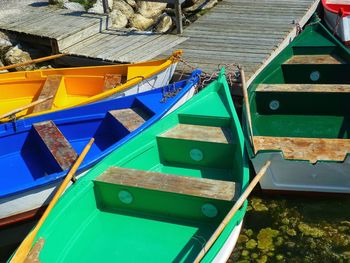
column 342, row 30
column 38, row 197
column 302, row 176
column 226, row 250
column 156, row 81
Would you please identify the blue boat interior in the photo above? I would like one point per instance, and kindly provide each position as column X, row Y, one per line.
column 27, row 161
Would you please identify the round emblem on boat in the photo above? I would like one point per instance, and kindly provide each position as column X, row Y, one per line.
column 274, row 104
column 315, row 75
column 125, row 197
column 209, row 210
column 196, row 155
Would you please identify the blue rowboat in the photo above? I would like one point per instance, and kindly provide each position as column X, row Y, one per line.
column 36, row 152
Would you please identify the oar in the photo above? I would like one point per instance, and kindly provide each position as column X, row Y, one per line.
column 32, row 104
column 247, row 105
column 26, row 245
column 232, row 212
column 33, row 61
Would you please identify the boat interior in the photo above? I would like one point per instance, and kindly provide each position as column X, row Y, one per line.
column 306, row 95
column 134, row 217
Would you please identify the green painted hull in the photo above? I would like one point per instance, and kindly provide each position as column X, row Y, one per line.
column 303, row 114
column 90, row 223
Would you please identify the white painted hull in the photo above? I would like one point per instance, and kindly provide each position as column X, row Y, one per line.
column 38, row 197
column 156, row 81
column 229, row 245
column 302, row 176
column 343, row 28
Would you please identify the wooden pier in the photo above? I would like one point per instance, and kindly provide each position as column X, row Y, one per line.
column 250, row 33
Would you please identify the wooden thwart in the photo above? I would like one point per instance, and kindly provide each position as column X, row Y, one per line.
column 200, row 187
column 200, row 133
column 319, row 88
column 314, row 59
column 49, row 89
column 130, row 118
column 311, row 149
column 112, row 81
column 56, row 143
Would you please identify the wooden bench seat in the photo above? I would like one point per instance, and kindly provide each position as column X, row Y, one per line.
column 200, row 133
column 313, row 59
column 311, row 149
column 199, row 187
column 56, row 143
column 130, row 118
column 111, row 81
column 327, row 88
column 50, row 88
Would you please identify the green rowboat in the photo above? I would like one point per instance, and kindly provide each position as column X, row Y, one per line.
column 159, row 197
column 300, row 111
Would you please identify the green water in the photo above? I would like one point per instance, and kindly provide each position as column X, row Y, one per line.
column 295, row 229
column 287, row 229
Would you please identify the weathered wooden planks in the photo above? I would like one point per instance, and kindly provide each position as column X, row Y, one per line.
column 313, row 59
column 199, row 187
column 130, row 118
column 50, row 88
column 200, row 133
column 319, row 88
column 56, row 143
column 311, row 149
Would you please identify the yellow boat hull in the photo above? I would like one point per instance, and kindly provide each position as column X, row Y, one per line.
column 78, row 86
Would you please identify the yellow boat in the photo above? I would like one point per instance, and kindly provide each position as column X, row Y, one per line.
column 29, row 93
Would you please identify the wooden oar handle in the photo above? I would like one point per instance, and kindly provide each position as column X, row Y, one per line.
column 32, row 104
column 232, row 212
column 33, row 61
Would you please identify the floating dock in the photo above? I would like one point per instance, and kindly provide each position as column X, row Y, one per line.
column 249, row 33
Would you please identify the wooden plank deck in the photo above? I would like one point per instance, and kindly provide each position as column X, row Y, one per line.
column 250, row 33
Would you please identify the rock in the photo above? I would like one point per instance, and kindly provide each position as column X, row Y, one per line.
column 132, row 3
column 16, row 55
column 249, row 232
column 164, row 25
column 291, row 232
column 98, row 7
column 150, row 9
column 265, row 239
column 140, row 22
column 74, row 6
column 1, row 65
column 263, row 259
column 254, row 256
column 210, row 4
column 279, row 241
column 57, row 2
column 310, row 231
column 5, row 43
column 285, row 221
column 290, row 244
column 245, row 253
column 118, row 19
column 124, row 7
column 251, row 244
column 242, row 239
column 258, row 205
column 343, row 228
column 279, row 257
column 195, row 7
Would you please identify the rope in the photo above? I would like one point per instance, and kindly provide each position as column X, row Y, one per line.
column 339, row 17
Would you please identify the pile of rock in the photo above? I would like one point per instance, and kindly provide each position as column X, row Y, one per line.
column 13, row 52
column 141, row 15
